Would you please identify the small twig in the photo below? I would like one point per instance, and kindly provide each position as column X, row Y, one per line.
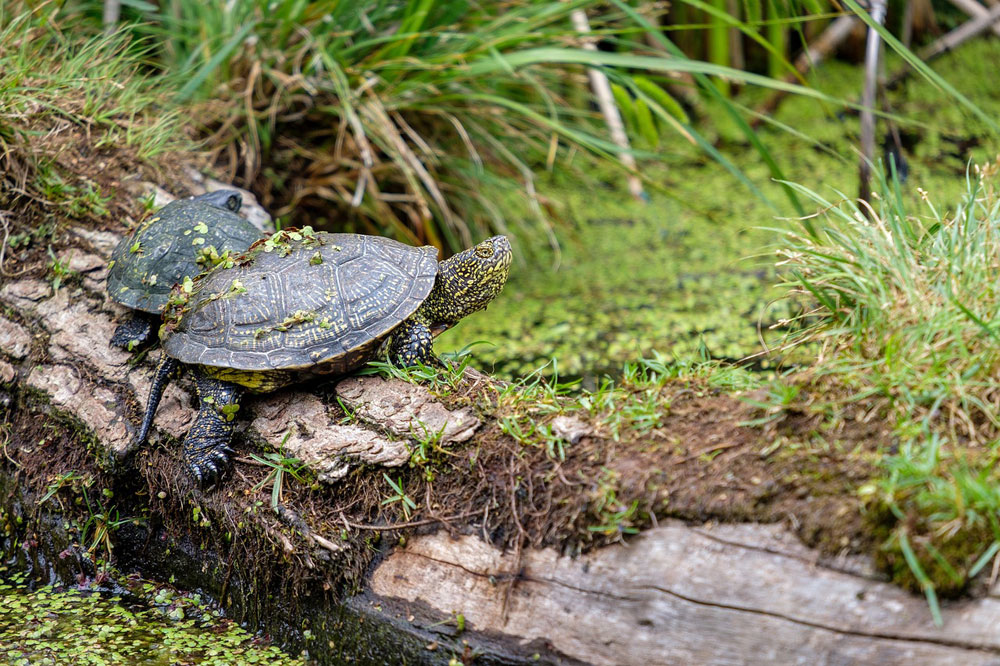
column 398, row 526
column 975, row 10
column 606, row 101
column 950, row 41
column 563, row 478
column 112, row 12
column 326, row 543
column 517, row 553
column 711, row 449
column 872, row 52
column 3, row 248
column 996, row 570
column 292, row 518
column 251, row 461
column 433, row 514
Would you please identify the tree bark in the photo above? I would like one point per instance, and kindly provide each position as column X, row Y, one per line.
column 707, row 594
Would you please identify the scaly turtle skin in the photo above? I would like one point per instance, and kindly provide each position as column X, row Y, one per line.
column 180, row 240
column 304, row 304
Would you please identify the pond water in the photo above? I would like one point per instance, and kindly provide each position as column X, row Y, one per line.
column 632, row 278
column 691, row 273
column 52, row 625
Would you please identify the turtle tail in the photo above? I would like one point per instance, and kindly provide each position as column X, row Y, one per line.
column 165, row 371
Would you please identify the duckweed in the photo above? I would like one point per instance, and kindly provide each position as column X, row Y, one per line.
column 690, row 272
column 83, row 627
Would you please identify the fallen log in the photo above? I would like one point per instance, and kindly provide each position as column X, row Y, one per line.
column 319, row 575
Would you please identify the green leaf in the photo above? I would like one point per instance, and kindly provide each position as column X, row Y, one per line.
column 624, row 103
column 644, row 120
column 206, row 70
column 661, row 97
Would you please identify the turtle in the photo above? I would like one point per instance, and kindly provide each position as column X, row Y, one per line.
column 306, row 304
column 180, row 240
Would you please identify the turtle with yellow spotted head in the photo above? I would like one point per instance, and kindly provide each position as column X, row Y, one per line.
column 306, row 304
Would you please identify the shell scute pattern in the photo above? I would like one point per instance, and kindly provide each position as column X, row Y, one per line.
column 159, row 255
column 296, row 312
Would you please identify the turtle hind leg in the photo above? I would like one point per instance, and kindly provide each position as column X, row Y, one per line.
column 134, row 333
column 165, row 371
column 412, row 343
column 206, row 447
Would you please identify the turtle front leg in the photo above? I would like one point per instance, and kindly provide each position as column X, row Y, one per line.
column 133, row 333
column 412, row 343
column 206, row 447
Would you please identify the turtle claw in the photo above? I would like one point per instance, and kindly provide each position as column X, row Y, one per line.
column 206, row 447
column 208, row 467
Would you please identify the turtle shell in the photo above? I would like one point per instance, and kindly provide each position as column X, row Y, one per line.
column 166, row 248
column 301, row 300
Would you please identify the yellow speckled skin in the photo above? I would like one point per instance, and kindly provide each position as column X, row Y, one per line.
column 313, row 304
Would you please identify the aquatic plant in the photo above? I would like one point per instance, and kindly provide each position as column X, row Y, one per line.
column 69, row 625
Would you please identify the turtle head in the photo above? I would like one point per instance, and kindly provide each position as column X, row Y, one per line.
column 467, row 282
column 230, row 200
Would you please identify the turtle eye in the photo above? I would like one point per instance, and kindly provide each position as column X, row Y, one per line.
column 484, row 250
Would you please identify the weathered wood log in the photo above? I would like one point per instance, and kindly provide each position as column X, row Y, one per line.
column 707, row 594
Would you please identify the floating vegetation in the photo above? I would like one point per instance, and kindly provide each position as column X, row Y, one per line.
column 71, row 626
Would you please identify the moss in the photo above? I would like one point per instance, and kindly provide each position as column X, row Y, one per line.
column 945, row 559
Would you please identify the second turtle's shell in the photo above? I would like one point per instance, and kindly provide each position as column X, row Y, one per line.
column 165, row 249
column 300, row 300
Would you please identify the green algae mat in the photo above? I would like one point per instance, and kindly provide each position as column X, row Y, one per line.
column 691, row 273
column 55, row 626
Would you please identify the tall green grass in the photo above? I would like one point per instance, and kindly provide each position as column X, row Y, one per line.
column 67, row 98
column 401, row 117
column 407, row 117
column 910, row 297
column 907, row 308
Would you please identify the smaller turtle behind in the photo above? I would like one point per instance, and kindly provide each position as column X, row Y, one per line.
column 180, row 240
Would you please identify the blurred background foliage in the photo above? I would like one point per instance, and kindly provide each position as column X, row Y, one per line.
column 398, row 117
